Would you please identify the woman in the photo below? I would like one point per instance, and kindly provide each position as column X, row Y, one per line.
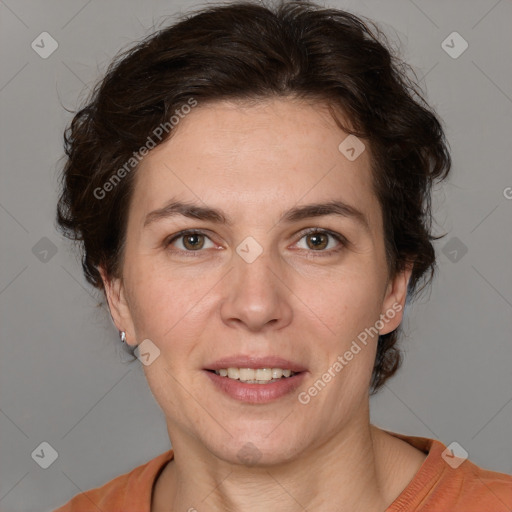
column 251, row 187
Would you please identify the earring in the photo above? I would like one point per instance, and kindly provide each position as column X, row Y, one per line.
column 122, row 335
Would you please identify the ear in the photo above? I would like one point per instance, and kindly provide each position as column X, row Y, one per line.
column 394, row 300
column 118, row 305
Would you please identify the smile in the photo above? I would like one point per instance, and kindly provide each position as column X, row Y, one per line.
column 255, row 375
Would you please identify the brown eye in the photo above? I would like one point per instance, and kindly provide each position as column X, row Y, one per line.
column 317, row 241
column 189, row 241
column 193, row 241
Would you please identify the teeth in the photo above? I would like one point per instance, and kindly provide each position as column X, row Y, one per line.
column 254, row 376
column 277, row 373
column 233, row 373
column 246, row 374
column 263, row 374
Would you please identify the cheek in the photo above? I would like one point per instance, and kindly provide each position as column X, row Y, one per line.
column 350, row 308
column 167, row 304
column 344, row 303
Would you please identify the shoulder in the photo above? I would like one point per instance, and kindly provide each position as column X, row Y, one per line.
column 481, row 488
column 446, row 481
column 130, row 492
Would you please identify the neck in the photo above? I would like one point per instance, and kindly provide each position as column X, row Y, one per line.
column 352, row 471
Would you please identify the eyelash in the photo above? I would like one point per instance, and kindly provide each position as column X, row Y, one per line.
column 339, row 238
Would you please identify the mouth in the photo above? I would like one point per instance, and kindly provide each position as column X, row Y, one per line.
column 255, row 379
column 256, row 385
column 255, row 375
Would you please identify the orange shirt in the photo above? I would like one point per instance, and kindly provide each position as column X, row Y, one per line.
column 436, row 487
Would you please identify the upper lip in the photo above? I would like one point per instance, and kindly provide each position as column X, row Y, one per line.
column 242, row 361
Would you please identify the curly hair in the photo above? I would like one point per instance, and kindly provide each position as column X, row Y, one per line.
column 251, row 52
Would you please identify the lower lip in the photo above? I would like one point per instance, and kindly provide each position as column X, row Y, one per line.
column 256, row 393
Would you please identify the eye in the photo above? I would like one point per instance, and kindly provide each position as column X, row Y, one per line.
column 191, row 241
column 317, row 240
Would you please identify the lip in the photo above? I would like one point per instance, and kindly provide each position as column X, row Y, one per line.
column 243, row 361
column 256, row 393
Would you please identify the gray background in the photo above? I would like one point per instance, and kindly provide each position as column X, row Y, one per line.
column 62, row 375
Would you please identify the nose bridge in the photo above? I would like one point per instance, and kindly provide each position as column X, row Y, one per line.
column 255, row 294
column 255, row 267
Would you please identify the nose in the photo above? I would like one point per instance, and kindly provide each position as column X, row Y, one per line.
column 257, row 297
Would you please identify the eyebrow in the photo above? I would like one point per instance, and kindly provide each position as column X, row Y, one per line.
column 194, row 211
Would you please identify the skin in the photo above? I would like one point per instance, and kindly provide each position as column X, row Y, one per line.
column 297, row 301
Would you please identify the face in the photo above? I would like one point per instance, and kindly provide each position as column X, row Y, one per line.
column 259, row 283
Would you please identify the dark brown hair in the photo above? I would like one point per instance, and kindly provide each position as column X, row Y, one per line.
column 251, row 52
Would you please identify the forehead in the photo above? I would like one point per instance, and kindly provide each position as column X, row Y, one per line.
column 254, row 158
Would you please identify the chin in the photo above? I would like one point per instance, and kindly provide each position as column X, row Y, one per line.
column 256, row 447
